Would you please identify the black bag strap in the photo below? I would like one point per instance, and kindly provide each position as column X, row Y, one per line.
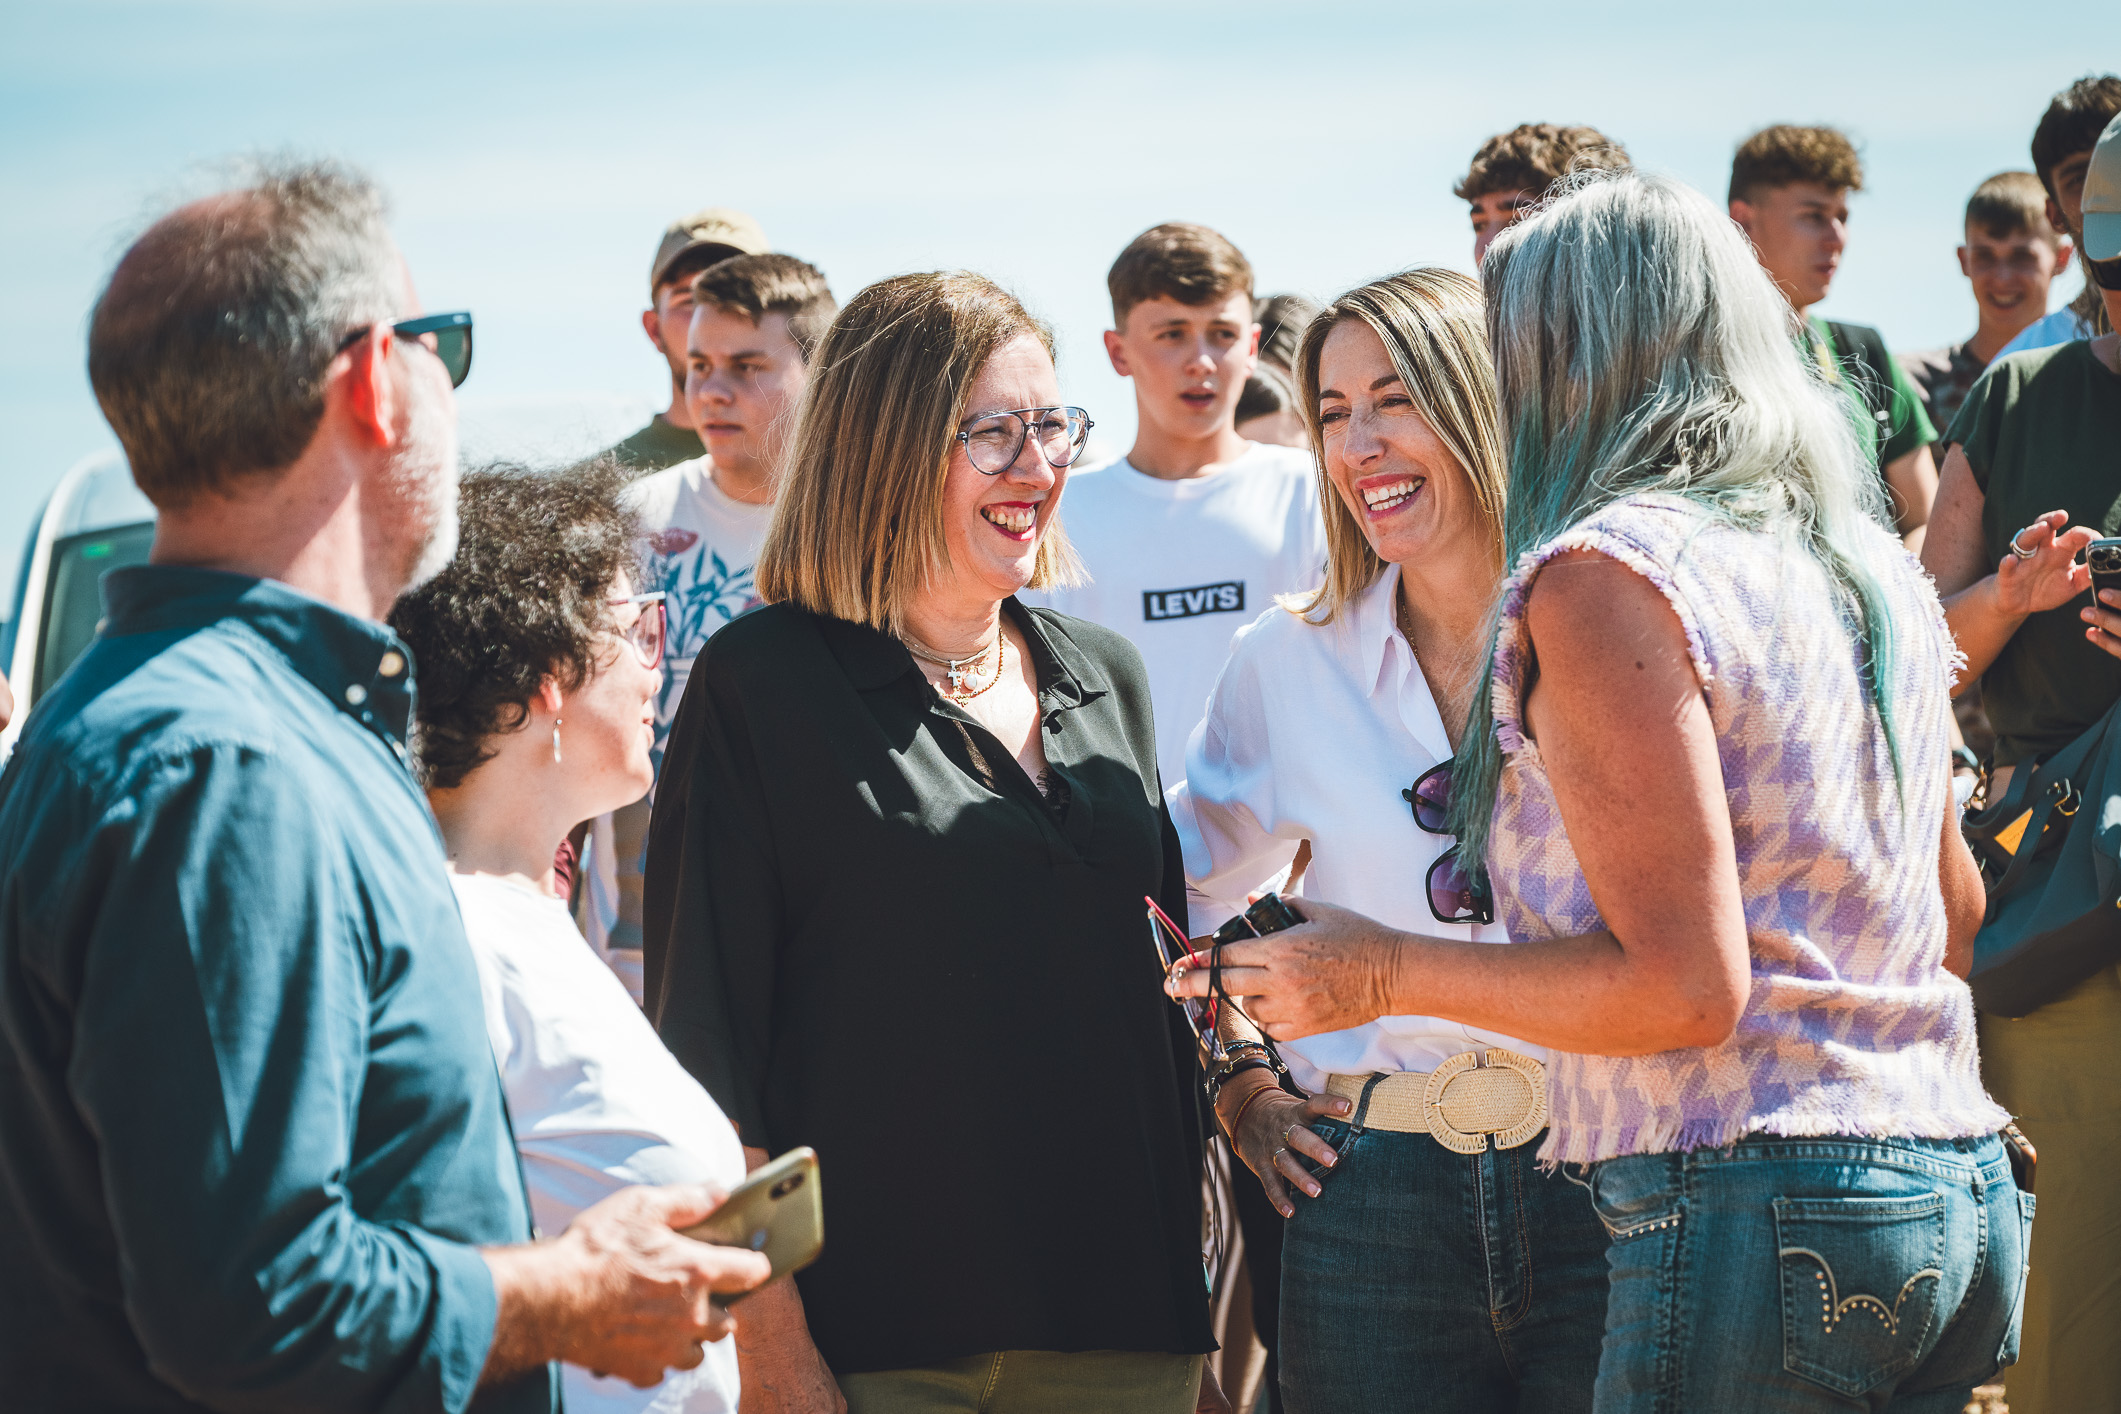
column 2052, row 785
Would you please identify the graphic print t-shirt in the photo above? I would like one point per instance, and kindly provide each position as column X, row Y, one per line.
column 699, row 548
column 1180, row 566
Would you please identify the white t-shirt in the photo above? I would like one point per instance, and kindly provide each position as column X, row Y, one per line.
column 699, row 546
column 2061, row 327
column 597, row 1103
column 1312, row 733
column 1180, row 566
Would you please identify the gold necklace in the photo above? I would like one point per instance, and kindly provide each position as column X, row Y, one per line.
column 959, row 671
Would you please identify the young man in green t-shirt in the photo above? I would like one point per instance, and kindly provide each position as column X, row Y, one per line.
column 689, row 246
column 1789, row 192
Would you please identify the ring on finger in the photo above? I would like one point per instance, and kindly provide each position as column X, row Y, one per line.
column 2018, row 550
column 1277, row 1153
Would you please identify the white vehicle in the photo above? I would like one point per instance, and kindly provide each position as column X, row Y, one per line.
column 95, row 520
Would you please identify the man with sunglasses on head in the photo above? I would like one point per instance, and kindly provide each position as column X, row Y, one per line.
column 253, row 1150
column 690, row 245
column 755, row 321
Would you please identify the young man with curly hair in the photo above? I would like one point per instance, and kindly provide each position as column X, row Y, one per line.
column 755, row 321
column 1513, row 170
column 1789, row 192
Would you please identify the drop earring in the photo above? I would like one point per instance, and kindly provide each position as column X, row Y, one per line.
column 556, row 741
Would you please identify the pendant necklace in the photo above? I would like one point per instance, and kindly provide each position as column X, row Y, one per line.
column 962, row 670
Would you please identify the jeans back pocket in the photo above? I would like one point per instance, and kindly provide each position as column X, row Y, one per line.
column 1860, row 1282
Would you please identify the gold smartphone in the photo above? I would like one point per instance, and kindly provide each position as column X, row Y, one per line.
column 777, row 1211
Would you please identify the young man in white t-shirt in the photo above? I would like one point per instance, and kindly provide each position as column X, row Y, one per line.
column 756, row 319
column 1195, row 530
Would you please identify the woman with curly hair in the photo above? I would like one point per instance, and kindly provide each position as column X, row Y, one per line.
column 538, row 673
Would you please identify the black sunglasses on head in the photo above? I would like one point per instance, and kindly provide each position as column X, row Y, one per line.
column 447, row 336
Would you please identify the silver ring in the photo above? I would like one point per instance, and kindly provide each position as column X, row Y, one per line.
column 2015, row 550
column 1287, row 1132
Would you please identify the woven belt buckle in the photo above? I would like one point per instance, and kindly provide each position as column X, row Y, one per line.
column 1478, row 1095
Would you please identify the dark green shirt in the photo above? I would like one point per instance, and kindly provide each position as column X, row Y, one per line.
column 2042, row 432
column 251, row 1136
column 1889, row 418
column 661, row 443
column 867, row 931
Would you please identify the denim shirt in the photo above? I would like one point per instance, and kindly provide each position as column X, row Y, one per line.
column 251, row 1135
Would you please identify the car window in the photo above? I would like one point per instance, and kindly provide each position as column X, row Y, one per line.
column 73, row 603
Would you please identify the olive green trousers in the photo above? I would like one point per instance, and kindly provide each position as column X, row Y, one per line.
column 2059, row 1072
column 1032, row 1382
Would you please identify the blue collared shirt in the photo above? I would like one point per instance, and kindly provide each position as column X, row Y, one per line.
column 251, row 1136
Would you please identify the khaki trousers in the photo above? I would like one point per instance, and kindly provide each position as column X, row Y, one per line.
column 2055, row 1071
column 1032, row 1382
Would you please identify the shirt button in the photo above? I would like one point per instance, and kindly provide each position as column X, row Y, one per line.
column 356, row 694
column 392, row 664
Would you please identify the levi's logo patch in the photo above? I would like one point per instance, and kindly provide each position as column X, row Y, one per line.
column 1225, row 598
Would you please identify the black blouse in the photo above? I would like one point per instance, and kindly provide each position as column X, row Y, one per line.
column 866, row 931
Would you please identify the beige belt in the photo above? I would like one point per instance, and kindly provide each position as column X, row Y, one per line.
column 1461, row 1103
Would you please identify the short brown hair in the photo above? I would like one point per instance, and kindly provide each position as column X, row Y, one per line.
column 1177, row 260
column 1533, row 156
column 2072, row 123
column 209, row 346
column 758, row 285
column 858, row 521
column 2008, row 204
column 1784, row 155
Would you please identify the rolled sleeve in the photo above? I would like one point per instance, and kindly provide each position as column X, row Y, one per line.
column 1228, row 790
column 222, row 1038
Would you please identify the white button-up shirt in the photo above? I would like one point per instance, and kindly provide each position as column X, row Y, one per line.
column 1311, row 734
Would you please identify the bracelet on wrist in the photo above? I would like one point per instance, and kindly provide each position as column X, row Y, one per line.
column 1222, row 1073
column 1239, row 1118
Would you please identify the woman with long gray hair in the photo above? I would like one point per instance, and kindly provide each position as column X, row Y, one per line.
column 1711, row 790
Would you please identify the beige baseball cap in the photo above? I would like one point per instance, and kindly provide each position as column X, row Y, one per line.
column 2102, row 196
column 735, row 232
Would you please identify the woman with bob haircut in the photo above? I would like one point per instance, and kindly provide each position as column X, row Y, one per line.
column 1710, row 782
column 1430, row 1253
column 895, row 882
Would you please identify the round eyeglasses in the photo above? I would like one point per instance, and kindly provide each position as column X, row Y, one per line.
column 1456, row 895
column 645, row 634
column 994, row 440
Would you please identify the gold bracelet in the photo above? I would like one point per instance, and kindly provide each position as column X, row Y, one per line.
column 1239, row 1118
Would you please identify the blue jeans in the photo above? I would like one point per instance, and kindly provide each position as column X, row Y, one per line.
column 1810, row 1274
column 1424, row 1279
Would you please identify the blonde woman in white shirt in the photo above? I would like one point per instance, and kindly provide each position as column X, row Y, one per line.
column 539, row 666
column 1430, row 1254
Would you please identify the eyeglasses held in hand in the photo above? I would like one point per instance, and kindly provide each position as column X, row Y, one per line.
column 993, row 440
column 1455, row 896
column 446, row 336
column 644, row 634
column 1200, row 1011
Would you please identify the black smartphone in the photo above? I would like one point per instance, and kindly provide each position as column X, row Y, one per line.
column 2103, row 559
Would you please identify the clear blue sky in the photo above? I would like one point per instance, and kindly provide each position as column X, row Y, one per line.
column 534, row 151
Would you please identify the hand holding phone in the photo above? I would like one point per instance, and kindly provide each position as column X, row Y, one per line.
column 777, row 1211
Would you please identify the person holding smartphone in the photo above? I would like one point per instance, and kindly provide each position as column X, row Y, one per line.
column 1428, row 1252
column 2028, row 483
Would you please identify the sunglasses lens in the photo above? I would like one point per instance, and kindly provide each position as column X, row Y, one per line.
column 1432, row 800
column 454, row 347
column 1453, row 897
